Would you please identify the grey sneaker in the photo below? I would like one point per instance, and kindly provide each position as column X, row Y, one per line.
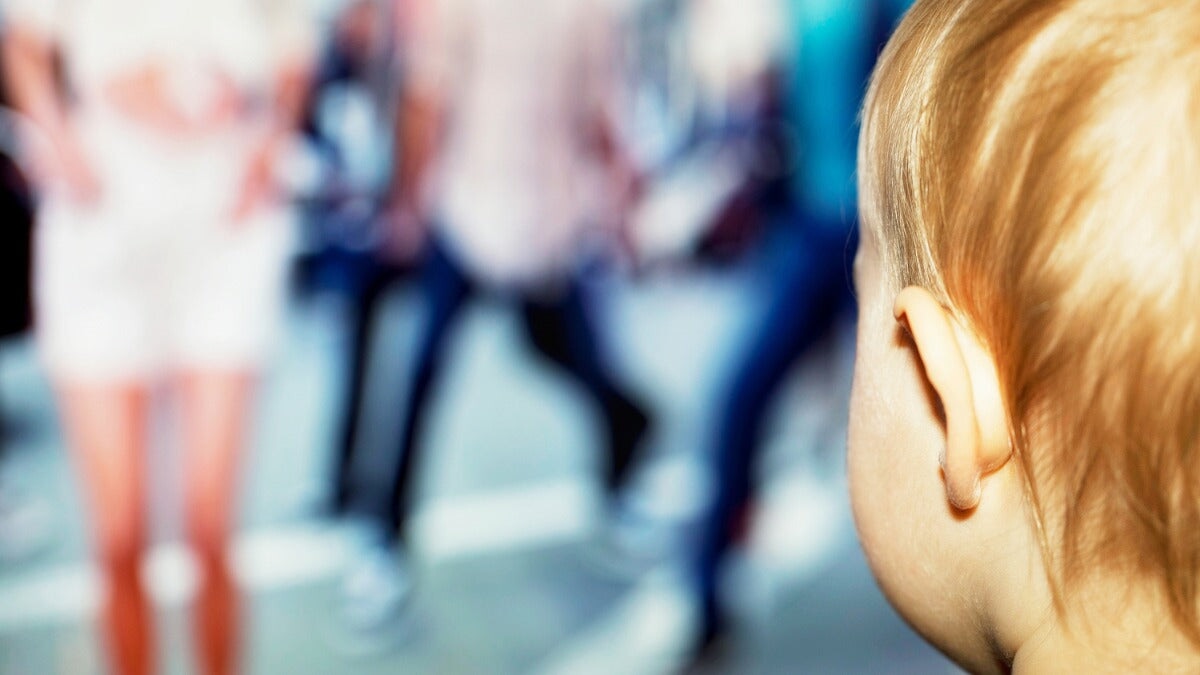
column 375, row 600
column 629, row 540
column 376, row 589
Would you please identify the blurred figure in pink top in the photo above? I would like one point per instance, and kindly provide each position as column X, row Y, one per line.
column 508, row 165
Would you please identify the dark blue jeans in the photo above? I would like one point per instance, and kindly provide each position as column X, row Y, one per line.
column 374, row 277
column 559, row 325
column 807, row 293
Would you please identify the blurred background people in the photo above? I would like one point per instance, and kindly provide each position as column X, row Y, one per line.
column 802, row 108
column 509, row 155
column 160, row 254
column 356, row 89
column 428, row 141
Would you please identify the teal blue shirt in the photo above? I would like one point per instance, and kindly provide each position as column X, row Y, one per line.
column 834, row 45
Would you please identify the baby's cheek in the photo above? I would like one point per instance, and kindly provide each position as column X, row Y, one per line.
column 878, row 479
column 863, row 448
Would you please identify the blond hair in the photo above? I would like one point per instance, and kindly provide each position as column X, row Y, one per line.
column 1036, row 164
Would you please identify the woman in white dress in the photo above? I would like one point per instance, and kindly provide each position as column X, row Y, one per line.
column 160, row 257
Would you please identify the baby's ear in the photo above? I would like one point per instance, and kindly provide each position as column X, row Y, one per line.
column 963, row 374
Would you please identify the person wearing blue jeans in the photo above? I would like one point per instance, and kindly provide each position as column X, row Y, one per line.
column 807, row 294
column 375, row 277
column 558, row 323
column 509, row 165
column 808, row 288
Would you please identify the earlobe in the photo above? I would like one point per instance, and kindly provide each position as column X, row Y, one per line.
column 963, row 375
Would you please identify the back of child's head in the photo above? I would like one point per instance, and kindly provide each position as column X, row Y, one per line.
column 1035, row 164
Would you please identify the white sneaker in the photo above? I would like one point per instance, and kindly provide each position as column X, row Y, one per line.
column 639, row 534
column 630, row 540
column 376, row 589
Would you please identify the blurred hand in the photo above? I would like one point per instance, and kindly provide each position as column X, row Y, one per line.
column 627, row 248
column 258, row 186
column 405, row 234
column 70, row 168
column 628, row 200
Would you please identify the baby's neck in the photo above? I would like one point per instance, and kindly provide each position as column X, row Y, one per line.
column 1121, row 636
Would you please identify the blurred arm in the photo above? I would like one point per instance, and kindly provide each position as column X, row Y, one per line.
column 294, row 41
column 608, row 100
column 292, row 82
column 429, row 57
column 430, row 50
column 419, row 123
column 295, row 44
column 33, row 88
column 29, row 71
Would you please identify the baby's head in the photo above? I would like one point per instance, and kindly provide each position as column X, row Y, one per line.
column 1025, row 425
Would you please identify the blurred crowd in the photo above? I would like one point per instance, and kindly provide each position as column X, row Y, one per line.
column 175, row 174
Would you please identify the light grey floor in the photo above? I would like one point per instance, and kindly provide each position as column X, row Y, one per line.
column 508, row 583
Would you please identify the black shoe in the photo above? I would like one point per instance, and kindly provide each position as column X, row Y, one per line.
column 711, row 650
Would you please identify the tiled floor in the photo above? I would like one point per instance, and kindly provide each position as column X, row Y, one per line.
column 508, row 578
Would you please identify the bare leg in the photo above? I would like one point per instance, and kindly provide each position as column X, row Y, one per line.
column 106, row 425
column 215, row 409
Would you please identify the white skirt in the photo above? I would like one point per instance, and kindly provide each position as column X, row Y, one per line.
column 156, row 278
